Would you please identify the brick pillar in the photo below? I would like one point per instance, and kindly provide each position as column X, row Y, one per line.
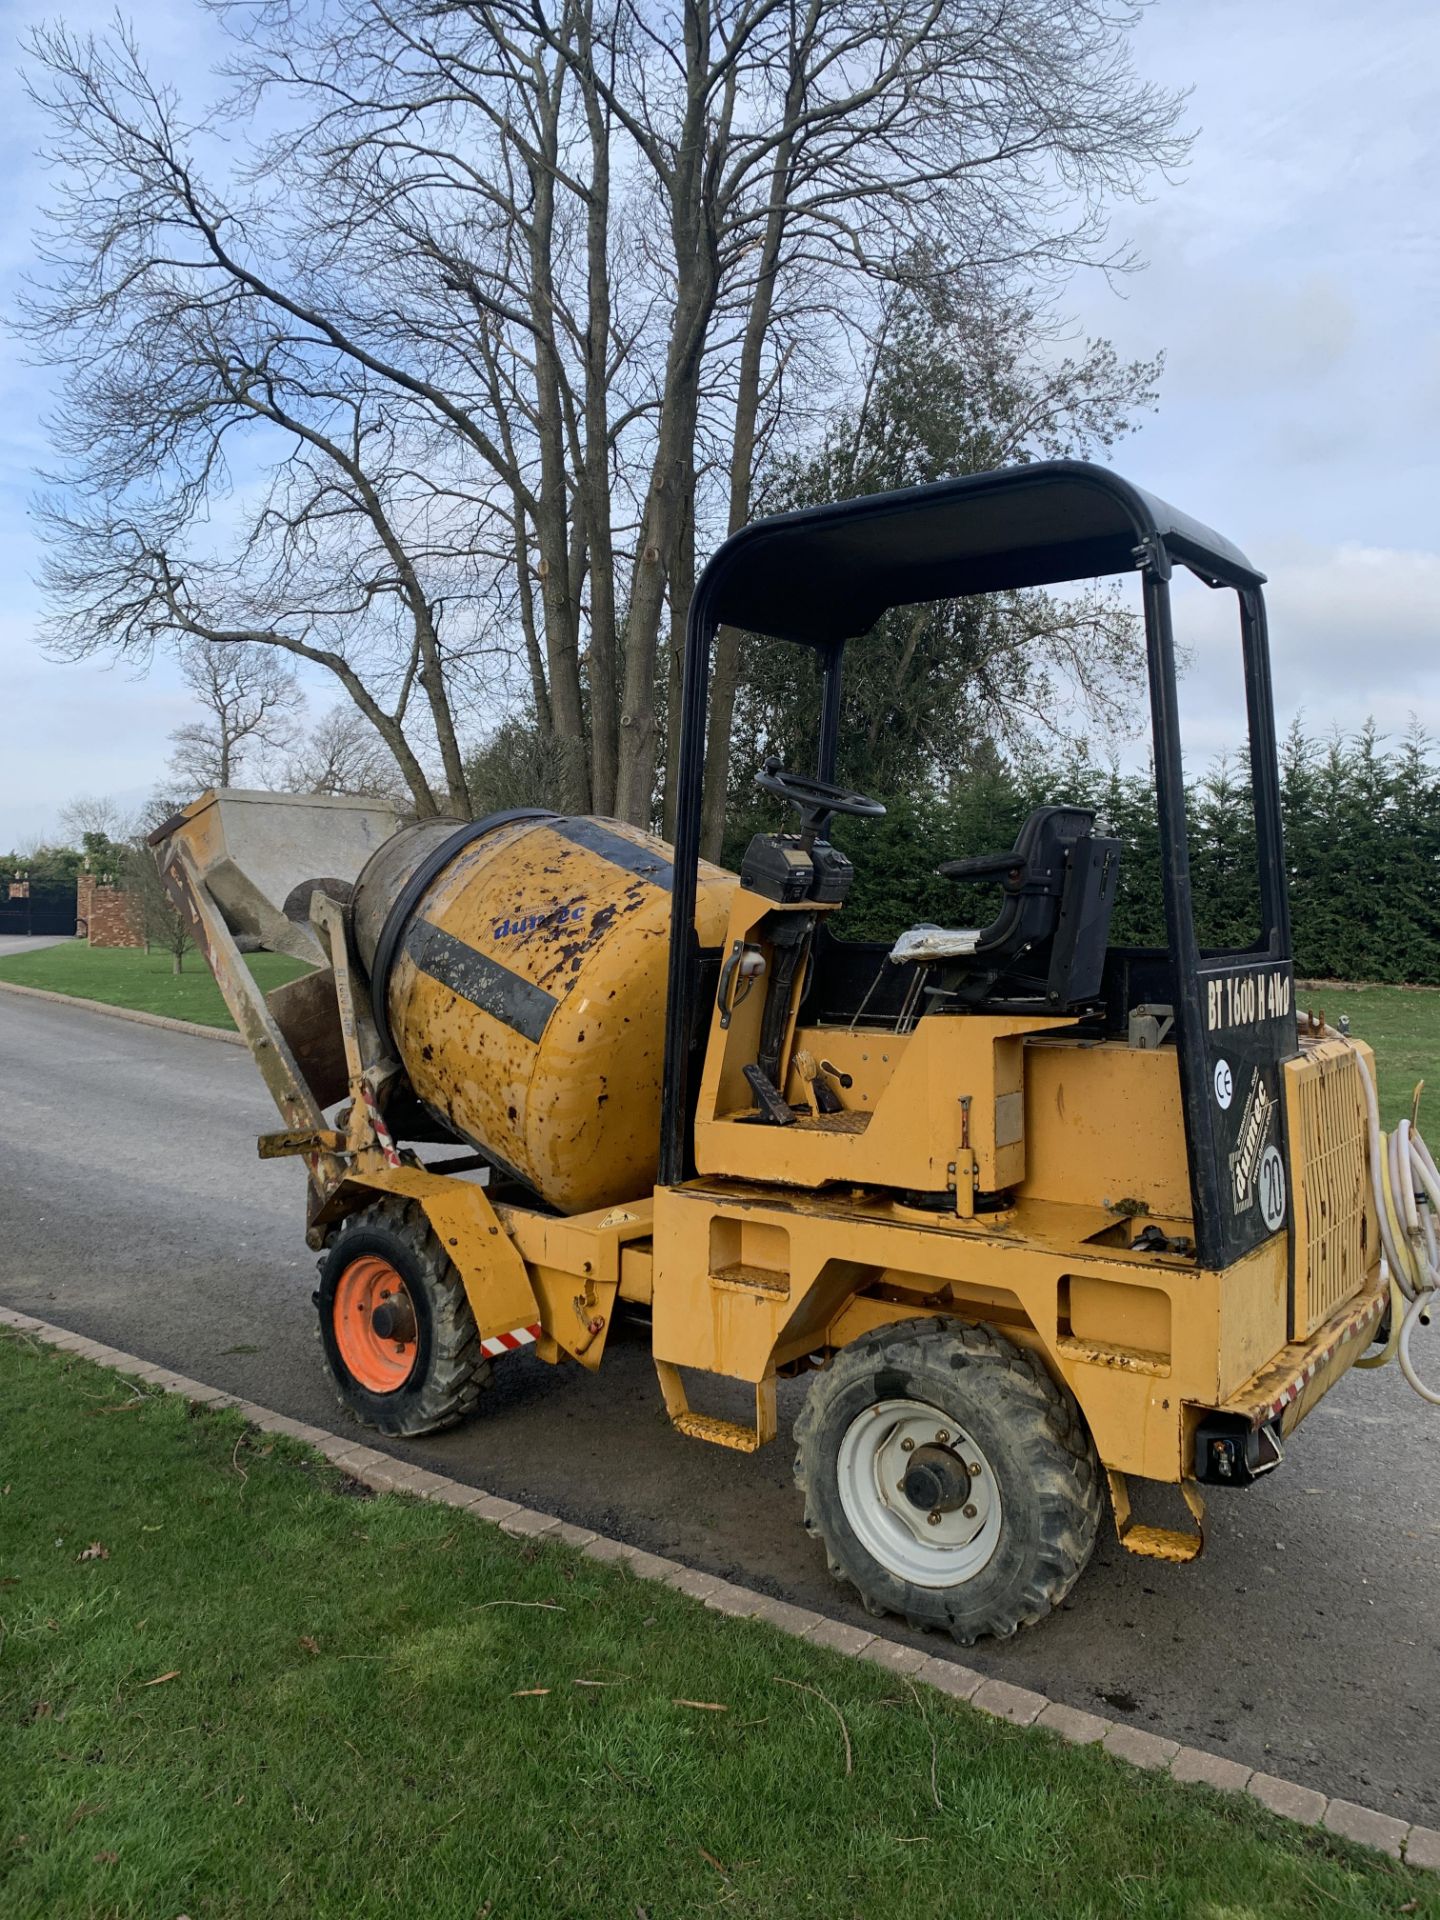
column 111, row 917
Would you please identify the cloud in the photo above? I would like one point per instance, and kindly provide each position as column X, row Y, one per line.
column 1354, row 634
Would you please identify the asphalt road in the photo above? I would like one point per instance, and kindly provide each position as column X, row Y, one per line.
column 1305, row 1641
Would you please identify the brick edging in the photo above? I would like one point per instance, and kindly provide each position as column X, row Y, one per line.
column 230, row 1038
column 1418, row 1846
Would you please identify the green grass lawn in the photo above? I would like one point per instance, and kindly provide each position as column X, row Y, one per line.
column 122, row 977
column 232, row 1684
column 1402, row 1024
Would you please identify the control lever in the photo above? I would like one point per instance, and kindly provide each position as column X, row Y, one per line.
column 812, row 1073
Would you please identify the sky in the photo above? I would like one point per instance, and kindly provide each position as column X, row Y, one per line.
column 1293, row 283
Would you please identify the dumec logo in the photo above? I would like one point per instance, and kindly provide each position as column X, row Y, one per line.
column 511, row 925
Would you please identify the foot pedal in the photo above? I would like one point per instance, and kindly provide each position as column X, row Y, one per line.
column 705, row 1426
column 1157, row 1543
column 767, row 1096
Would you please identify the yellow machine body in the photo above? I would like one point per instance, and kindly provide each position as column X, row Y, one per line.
column 800, row 1239
column 526, row 1000
column 794, row 1241
column 1001, row 1168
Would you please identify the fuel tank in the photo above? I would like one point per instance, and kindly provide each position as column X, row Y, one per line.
column 518, row 965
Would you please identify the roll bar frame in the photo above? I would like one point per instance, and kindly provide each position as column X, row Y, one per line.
column 824, row 576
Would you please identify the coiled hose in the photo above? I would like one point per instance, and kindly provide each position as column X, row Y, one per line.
column 1406, row 1187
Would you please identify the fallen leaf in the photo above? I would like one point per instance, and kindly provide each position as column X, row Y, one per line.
column 161, row 1678
column 528, row 1693
column 704, row 1706
column 309, row 1643
column 706, row 1855
column 105, row 1859
column 94, row 1552
column 10, row 1580
column 41, row 1710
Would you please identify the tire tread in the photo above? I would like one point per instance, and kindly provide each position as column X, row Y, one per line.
column 458, row 1372
column 1066, row 1476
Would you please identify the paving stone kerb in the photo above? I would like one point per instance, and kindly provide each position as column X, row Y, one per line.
column 222, row 1034
column 1419, row 1846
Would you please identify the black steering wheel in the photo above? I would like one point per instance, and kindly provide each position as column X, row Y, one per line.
column 815, row 799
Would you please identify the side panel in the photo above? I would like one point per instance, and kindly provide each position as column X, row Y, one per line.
column 746, row 1281
column 1103, row 1124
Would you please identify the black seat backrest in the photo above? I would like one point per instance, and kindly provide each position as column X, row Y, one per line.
column 1049, row 939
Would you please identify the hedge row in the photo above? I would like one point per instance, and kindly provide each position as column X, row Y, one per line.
column 1362, row 839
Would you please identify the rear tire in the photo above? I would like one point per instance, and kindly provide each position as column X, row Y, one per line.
column 427, row 1372
column 1013, row 1538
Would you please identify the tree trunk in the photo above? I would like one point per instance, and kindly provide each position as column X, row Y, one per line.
column 682, row 592
column 594, row 477
column 432, row 679
column 697, row 275
column 552, row 521
column 669, row 504
column 725, row 673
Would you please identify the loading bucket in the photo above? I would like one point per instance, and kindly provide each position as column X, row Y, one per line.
column 259, row 853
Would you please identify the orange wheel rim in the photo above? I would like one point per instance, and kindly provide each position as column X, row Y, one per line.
column 381, row 1358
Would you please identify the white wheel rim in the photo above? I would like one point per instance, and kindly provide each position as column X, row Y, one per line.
column 870, row 1467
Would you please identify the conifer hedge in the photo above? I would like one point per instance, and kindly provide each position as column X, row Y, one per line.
column 1362, row 845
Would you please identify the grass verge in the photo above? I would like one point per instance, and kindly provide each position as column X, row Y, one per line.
column 231, row 1684
column 123, row 977
column 1402, row 1024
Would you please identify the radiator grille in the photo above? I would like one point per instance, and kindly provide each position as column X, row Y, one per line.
column 1329, row 1177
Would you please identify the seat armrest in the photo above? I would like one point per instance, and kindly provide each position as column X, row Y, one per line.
column 981, row 866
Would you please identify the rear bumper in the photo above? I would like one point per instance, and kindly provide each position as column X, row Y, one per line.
column 1274, row 1401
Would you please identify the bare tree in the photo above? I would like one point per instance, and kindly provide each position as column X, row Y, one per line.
column 251, row 702
column 92, row 814
column 342, row 754
column 523, row 291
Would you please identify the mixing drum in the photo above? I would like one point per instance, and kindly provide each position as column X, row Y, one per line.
column 518, row 965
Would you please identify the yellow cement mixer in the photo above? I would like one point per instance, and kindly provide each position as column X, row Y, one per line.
column 1035, row 1211
column 517, row 965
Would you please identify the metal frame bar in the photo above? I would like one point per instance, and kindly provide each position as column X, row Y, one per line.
column 279, row 1069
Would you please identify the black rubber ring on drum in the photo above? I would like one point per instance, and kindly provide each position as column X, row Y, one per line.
column 409, row 896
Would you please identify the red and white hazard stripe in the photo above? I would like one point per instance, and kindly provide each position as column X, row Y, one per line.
column 509, row 1342
column 383, row 1138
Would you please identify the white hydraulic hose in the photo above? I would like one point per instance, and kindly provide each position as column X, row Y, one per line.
column 1406, row 1188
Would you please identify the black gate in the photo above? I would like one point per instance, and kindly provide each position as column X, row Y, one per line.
column 48, row 906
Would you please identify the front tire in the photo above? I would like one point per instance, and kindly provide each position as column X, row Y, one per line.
column 397, row 1330
column 952, row 1480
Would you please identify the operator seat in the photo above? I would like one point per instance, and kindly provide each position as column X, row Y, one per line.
column 1047, row 945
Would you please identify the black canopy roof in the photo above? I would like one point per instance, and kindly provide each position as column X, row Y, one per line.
column 827, row 574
